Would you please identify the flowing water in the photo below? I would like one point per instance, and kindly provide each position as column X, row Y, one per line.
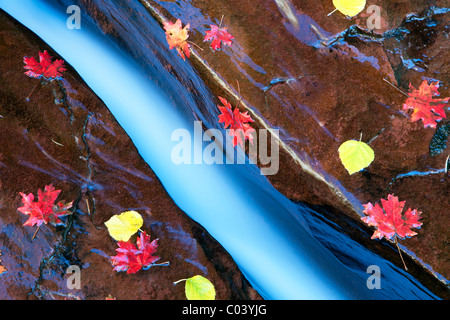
column 282, row 247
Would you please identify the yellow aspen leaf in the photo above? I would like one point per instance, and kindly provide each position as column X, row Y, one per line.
column 355, row 155
column 349, row 7
column 122, row 227
column 199, row 288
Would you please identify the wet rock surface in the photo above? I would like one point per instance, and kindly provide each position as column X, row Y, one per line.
column 338, row 91
column 65, row 135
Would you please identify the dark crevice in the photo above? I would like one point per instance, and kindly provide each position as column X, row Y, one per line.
column 63, row 254
column 89, row 188
column 398, row 33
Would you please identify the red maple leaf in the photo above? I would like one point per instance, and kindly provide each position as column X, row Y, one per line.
column 44, row 210
column 218, row 35
column 238, row 123
column 425, row 107
column 131, row 259
column 389, row 220
column 176, row 37
column 45, row 67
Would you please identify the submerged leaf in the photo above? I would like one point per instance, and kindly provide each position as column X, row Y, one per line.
column 355, row 155
column 122, row 227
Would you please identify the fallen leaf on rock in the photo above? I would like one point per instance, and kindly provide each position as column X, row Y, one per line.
column 389, row 220
column 199, row 288
column 176, row 37
column 218, row 35
column 44, row 210
column 45, row 67
column 355, row 155
column 122, row 227
column 425, row 106
column 239, row 129
column 349, row 7
column 131, row 259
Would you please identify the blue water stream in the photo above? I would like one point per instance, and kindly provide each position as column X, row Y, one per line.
column 281, row 249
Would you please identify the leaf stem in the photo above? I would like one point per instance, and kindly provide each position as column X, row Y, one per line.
column 34, row 235
column 396, row 87
column 331, row 12
column 220, row 24
column 176, row 282
column 166, row 263
column 194, row 44
column 239, row 91
column 59, row 144
column 398, row 248
column 87, row 203
column 32, row 90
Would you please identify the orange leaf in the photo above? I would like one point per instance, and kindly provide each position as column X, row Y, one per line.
column 425, row 106
column 177, row 37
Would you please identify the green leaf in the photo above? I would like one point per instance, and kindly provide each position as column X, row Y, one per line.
column 199, row 288
column 355, row 155
column 122, row 227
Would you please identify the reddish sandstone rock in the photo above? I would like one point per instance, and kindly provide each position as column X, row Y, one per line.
column 342, row 94
column 66, row 136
